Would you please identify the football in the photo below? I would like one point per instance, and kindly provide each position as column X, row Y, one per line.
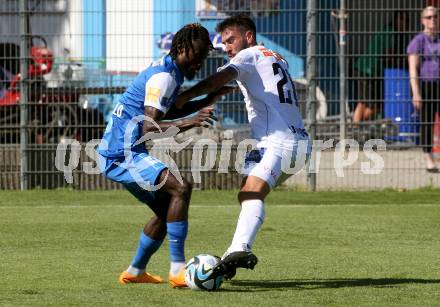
column 198, row 273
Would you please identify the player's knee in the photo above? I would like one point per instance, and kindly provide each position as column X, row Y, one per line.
column 184, row 189
column 156, row 228
column 158, row 223
column 246, row 194
column 187, row 188
column 174, row 188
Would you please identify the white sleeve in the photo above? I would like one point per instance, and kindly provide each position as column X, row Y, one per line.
column 243, row 62
column 158, row 91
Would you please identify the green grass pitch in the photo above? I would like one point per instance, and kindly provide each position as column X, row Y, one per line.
column 329, row 248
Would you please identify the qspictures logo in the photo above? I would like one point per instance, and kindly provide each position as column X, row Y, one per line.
column 300, row 154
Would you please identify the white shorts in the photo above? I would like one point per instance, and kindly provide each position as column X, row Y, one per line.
column 274, row 165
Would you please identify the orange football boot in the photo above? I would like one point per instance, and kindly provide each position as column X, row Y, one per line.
column 127, row 278
column 177, row 281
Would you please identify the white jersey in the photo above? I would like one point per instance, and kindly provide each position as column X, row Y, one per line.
column 270, row 96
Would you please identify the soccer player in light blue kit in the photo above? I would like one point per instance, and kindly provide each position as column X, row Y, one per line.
column 142, row 108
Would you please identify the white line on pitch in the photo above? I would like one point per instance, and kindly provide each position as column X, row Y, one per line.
column 218, row 206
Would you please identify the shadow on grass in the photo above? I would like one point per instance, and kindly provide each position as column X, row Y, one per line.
column 307, row 284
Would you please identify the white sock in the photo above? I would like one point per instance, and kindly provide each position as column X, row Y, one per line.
column 249, row 222
column 135, row 271
column 176, row 267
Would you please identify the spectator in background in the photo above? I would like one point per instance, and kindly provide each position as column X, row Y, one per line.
column 424, row 68
column 370, row 66
column 395, row 56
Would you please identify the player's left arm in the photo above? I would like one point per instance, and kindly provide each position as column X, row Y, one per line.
column 193, row 106
column 211, row 84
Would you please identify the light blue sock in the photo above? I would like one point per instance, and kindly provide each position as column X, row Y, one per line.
column 177, row 232
column 147, row 247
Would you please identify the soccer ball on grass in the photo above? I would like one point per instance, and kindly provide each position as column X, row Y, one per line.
column 198, row 273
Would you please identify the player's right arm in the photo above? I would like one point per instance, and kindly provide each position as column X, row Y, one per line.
column 193, row 106
column 240, row 65
column 211, row 84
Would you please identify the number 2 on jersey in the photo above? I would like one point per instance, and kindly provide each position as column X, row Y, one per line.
column 291, row 94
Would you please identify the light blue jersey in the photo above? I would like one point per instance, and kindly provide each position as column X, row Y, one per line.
column 120, row 159
column 157, row 86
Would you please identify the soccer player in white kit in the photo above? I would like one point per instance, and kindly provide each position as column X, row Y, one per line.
column 276, row 124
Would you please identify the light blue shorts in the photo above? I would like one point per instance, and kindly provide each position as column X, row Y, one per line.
column 139, row 174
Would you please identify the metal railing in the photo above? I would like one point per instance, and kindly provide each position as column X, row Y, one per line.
column 64, row 64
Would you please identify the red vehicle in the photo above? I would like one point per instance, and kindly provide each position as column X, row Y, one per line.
column 54, row 113
column 41, row 61
column 50, row 112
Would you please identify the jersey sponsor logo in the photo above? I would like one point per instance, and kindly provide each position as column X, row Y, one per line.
column 153, row 94
column 267, row 52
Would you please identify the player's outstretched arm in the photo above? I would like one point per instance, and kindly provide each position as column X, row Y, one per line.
column 209, row 85
column 193, row 106
column 205, row 117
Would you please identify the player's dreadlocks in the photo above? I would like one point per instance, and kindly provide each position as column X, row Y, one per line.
column 184, row 38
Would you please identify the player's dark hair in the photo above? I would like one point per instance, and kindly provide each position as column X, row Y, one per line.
column 184, row 38
column 242, row 21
